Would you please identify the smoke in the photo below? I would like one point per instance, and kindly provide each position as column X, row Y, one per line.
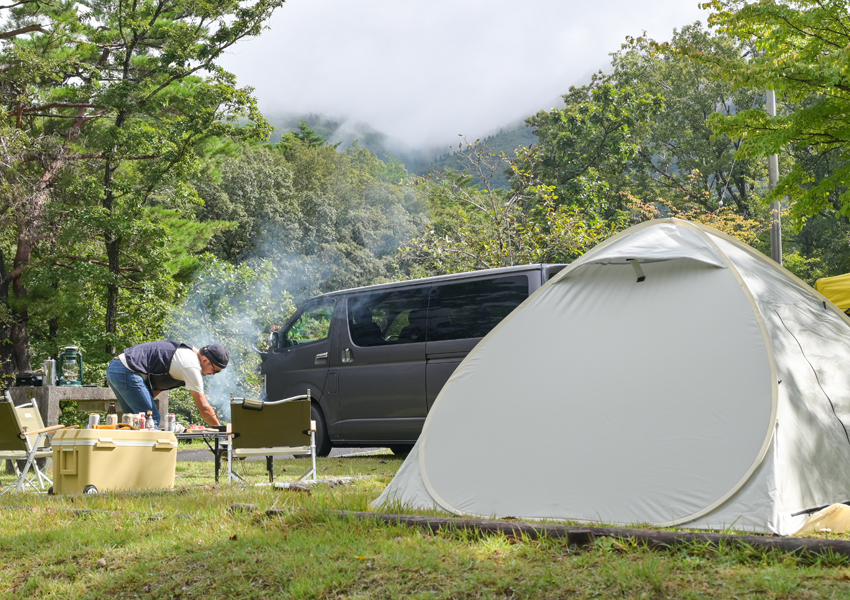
column 237, row 306
column 232, row 306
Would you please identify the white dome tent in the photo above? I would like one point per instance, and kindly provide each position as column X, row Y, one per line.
column 671, row 376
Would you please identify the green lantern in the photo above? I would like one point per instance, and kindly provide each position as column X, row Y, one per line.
column 70, row 366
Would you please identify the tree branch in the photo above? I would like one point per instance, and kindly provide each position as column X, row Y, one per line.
column 28, row 29
column 59, row 105
column 94, row 262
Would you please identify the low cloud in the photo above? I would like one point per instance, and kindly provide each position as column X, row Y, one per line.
column 423, row 72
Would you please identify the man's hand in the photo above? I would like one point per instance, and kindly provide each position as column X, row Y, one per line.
column 207, row 412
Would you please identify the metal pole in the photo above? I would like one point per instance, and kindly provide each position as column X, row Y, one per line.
column 772, row 178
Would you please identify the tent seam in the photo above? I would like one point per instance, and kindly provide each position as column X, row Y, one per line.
column 803, row 352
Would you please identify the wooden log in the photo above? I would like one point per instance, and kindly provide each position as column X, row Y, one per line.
column 581, row 535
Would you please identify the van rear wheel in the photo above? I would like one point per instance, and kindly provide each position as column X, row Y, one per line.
column 401, row 449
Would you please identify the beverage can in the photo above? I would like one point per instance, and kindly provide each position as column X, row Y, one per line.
column 94, row 419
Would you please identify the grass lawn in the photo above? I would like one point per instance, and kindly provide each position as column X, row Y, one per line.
column 187, row 544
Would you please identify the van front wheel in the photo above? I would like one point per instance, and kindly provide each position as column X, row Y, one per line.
column 323, row 440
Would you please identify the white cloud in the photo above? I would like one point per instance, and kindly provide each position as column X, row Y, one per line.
column 425, row 71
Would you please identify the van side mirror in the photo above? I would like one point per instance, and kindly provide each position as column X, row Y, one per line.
column 274, row 338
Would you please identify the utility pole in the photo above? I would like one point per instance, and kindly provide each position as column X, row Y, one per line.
column 772, row 178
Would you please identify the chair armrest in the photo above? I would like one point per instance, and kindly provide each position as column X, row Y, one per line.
column 44, row 430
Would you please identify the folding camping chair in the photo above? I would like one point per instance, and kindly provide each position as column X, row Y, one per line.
column 271, row 428
column 23, row 437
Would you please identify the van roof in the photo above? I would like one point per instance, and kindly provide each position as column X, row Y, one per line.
column 450, row 277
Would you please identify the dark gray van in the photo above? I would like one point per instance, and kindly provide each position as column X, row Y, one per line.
column 375, row 358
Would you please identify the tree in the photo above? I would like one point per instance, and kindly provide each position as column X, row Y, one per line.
column 326, row 219
column 253, row 189
column 480, row 226
column 800, row 49
column 585, row 148
column 681, row 156
column 304, row 135
column 642, row 129
column 108, row 108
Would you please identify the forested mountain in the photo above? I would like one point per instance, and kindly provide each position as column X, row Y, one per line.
column 419, row 161
column 507, row 140
column 343, row 133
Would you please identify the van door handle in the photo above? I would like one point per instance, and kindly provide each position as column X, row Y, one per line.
column 322, row 355
column 346, row 356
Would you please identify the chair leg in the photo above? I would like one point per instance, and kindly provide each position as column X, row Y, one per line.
column 270, row 468
column 22, row 480
column 313, row 456
column 42, row 478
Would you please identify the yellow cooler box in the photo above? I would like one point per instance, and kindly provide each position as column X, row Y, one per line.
column 88, row 461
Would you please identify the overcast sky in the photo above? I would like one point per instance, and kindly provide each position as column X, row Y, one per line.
column 424, row 72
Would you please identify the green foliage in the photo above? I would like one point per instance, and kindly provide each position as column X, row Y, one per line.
column 304, row 135
column 641, row 130
column 253, row 191
column 506, row 141
column 680, row 153
column 108, row 111
column 325, row 219
column 800, row 49
column 480, row 226
column 585, row 147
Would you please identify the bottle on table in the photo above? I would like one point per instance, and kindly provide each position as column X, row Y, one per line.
column 111, row 415
column 149, row 424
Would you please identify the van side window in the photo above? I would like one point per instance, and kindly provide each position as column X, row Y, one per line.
column 471, row 309
column 552, row 270
column 388, row 318
column 313, row 325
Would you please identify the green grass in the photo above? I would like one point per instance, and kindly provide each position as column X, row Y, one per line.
column 186, row 544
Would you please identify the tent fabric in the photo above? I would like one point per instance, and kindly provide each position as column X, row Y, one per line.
column 837, row 289
column 709, row 395
column 666, row 243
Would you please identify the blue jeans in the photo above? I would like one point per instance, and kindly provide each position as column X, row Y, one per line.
column 132, row 392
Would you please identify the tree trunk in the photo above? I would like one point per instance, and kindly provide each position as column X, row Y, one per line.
column 5, row 325
column 113, row 248
column 15, row 353
column 29, row 220
column 112, row 252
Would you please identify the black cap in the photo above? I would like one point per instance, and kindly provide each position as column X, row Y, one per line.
column 218, row 355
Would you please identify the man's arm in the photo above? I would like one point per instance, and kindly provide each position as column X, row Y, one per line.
column 207, row 412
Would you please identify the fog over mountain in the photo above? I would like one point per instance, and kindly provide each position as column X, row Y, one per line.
column 423, row 72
